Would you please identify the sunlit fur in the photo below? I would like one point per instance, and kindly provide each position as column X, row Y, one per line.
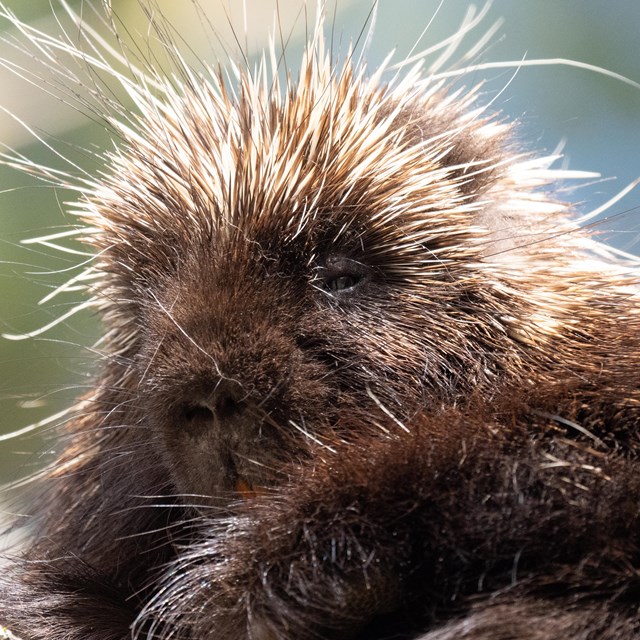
column 364, row 376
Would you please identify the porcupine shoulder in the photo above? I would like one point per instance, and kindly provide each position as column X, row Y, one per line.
column 365, row 378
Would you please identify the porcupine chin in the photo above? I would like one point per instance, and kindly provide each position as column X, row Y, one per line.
column 364, row 376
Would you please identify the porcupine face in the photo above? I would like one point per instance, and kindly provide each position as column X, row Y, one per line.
column 286, row 264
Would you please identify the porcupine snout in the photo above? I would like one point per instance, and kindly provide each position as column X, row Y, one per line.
column 230, row 392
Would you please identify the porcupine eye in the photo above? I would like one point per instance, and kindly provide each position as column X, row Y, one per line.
column 343, row 275
column 342, row 282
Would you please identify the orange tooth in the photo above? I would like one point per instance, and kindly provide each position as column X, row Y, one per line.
column 247, row 491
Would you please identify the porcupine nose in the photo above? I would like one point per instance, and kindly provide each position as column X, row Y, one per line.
column 218, row 410
column 225, row 418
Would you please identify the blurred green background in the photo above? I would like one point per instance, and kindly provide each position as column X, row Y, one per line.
column 599, row 118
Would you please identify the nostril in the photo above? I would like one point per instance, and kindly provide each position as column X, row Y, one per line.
column 226, row 407
column 196, row 418
column 197, row 413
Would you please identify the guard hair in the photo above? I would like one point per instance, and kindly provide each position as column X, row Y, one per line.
column 364, row 373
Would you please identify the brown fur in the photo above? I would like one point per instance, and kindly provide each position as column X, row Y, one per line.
column 429, row 392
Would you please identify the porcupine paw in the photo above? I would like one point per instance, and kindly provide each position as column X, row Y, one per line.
column 336, row 610
column 313, row 605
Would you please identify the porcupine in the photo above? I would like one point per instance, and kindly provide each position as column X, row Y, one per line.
column 365, row 378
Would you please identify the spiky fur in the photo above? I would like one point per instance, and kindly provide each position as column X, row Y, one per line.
column 447, row 448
